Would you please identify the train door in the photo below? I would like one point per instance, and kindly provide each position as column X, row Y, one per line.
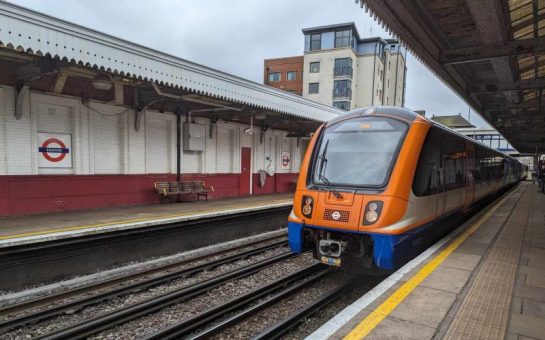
column 245, row 171
column 470, row 178
column 440, row 180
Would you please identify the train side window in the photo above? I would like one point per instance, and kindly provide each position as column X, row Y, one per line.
column 454, row 156
column 426, row 179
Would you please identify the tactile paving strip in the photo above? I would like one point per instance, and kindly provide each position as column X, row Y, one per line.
column 483, row 314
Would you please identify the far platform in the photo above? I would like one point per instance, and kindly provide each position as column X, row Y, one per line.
column 486, row 280
column 54, row 226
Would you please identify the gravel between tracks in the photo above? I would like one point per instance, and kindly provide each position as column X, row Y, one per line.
column 268, row 317
column 117, row 303
column 146, row 325
column 323, row 315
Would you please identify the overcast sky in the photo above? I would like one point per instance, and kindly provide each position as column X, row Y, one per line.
column 235, row 36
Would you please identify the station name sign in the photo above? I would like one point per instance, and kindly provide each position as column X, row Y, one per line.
column 54, row 150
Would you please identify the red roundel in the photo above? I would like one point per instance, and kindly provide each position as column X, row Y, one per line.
column 53, row 154
column 285, row 160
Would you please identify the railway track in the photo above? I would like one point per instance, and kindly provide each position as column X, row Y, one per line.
column 285, row 325
column 203, row 323
column 213, row 321
column 280, row 289
column 119, row 285
column 97, row 324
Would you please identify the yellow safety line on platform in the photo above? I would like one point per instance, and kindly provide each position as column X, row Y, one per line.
column 153, row 218
column 381, row 312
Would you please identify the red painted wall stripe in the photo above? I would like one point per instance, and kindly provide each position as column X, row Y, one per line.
column 20, row 195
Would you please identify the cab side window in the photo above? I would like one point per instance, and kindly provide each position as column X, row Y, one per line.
column 427, row 179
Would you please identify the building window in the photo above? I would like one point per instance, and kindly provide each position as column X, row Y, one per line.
column 380, row 74
column 315, row 67
column 344, row 105
column 315, row 42
column 343, row 67
column 290, row 75
column 275, row 76
column 342, row 38
column 388, row 83
column 342, row 89
column 313, row 87
column 389, row 65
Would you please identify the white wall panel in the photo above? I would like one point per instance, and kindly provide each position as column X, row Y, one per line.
column 160, row 143
column 210, row 146
column 56, row 115
column 108, row 140
column 245, row 139
column 285, row 146
column 137, row 144
column 104, row 140
column 258, row 154
column 18, row 136
column 225, row 150
column 193, row 161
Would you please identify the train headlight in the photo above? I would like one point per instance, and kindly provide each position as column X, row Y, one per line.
column 307, row 206
column 372, row 212
column 371, row 216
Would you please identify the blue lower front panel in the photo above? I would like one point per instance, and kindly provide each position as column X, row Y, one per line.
column 295, row 236
column 389, row 251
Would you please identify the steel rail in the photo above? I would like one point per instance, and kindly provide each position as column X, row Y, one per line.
column 102, row 322
column 139, row 286
column 285, row 325
column 185, row 327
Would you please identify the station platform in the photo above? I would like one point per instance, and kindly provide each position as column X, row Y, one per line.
column 485, row 280
column 22, row 230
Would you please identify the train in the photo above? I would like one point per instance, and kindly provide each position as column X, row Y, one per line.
column 378, row 185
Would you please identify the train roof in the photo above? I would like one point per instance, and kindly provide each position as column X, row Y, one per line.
column 406, row 115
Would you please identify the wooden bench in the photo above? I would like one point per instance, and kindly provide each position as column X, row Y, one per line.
column 177, row 189
column 199, row 189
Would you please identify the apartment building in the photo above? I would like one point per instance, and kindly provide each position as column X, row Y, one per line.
column 285, row 74
column 345, row 71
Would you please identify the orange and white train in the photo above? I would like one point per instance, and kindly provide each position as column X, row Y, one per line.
column 379, row 185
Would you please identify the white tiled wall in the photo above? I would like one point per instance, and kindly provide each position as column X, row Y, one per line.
column 3, row 164
column 104, row 140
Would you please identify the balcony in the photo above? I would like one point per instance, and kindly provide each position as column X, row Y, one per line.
column 345, row 71
column 342, row 93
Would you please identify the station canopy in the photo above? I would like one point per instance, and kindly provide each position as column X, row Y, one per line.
column 490, row 52
column 42, row 53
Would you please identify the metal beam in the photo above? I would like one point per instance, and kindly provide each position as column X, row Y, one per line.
column 510, row 106
column 519, row 85
column 480, row 53
column 490, row 22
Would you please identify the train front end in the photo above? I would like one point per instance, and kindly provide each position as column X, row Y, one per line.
column 352, row 188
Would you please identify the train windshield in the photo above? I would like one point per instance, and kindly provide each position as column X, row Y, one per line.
column 358, row 152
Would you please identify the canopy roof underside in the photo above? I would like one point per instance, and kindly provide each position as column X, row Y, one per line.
column 53, row 43
column 491, row 52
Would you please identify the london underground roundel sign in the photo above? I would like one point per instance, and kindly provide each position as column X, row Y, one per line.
column 54, row 150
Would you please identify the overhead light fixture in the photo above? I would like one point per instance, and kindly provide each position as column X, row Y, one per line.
column 102, row 82
column 250, row 130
